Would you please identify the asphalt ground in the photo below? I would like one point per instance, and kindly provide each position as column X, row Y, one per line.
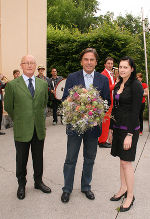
column 105, row 183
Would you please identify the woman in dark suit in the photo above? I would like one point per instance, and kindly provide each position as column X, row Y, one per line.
column 124, row 128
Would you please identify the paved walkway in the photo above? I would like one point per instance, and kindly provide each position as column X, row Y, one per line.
column 105, row 182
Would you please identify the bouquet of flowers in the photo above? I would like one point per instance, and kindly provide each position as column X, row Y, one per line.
column 84, row 109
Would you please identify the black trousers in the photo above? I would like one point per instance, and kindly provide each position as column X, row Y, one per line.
column 22, row 153
column 55, row 105
column 141, row 116
column 1, row 112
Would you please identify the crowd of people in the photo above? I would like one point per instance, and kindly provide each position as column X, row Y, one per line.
column 25, row 101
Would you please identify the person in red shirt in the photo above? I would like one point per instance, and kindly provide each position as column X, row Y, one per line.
column 108, row 72
column 145, row 87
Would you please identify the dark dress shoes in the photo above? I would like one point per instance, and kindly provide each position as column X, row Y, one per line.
column 21, row 192
column 104, row 145
column 122, row 209
column 2, row 133
column 41, row 186
column 89, row 194
column 65, row 197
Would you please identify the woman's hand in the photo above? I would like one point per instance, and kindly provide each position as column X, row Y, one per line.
column 110, row 136
column 127, row 142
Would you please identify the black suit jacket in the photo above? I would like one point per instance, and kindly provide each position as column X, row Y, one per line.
column 126, row 110
column 100, row 82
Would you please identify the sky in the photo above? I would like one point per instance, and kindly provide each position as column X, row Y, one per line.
column 120, row 7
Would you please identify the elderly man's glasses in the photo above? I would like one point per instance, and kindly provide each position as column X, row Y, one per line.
column 28, row 63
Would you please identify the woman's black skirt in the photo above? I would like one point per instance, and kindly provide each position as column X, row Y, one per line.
column 117, row 145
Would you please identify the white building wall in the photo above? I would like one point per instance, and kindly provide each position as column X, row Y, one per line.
column 23, row 30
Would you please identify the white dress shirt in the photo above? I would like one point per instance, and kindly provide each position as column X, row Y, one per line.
column 26, row 80
column 88, row 79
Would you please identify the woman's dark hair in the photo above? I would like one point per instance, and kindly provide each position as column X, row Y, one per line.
column 132, row 65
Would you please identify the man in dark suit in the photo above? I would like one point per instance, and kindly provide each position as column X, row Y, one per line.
column 25, row 101
column 53, row 81
column 86, row 77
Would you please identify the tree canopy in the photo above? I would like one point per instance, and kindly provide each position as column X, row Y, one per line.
column 72, row 13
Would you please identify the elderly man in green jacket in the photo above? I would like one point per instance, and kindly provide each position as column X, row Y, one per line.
column 25, row 101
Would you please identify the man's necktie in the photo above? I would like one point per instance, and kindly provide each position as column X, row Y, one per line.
column 30, row 87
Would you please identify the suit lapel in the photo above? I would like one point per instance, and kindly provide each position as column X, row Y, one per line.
column 23, row 86
column 21, row 83
column 81, row 78
column 95, row 80
column 37, row 87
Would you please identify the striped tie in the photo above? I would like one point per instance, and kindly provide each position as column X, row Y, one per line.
column 30, row 87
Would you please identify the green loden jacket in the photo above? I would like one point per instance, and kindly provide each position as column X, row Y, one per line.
column 26, row 112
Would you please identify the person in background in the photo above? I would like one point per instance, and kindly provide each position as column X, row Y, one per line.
column 124, row 128
column 145, row 94
column 116, row 74
column 85, row 77
column 41, row 75
column 54, row 80
column 2, row 86
column 41, row 70
column 16, row 73
column 108, row 72
column 25, row 101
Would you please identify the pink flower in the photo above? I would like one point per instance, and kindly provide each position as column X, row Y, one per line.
column 76, row 95
column 94, row 99
column 90, row 113
column 94, row 109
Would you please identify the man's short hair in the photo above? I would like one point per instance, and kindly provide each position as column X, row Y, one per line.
column 108, row 58
column 139, row 75
column 53, row 68
column 89, row 50
column 15, row 71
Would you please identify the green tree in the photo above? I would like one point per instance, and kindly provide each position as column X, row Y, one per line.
column 64, row 46
column 132, row 24
column 72, row 13
column 108, row 18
